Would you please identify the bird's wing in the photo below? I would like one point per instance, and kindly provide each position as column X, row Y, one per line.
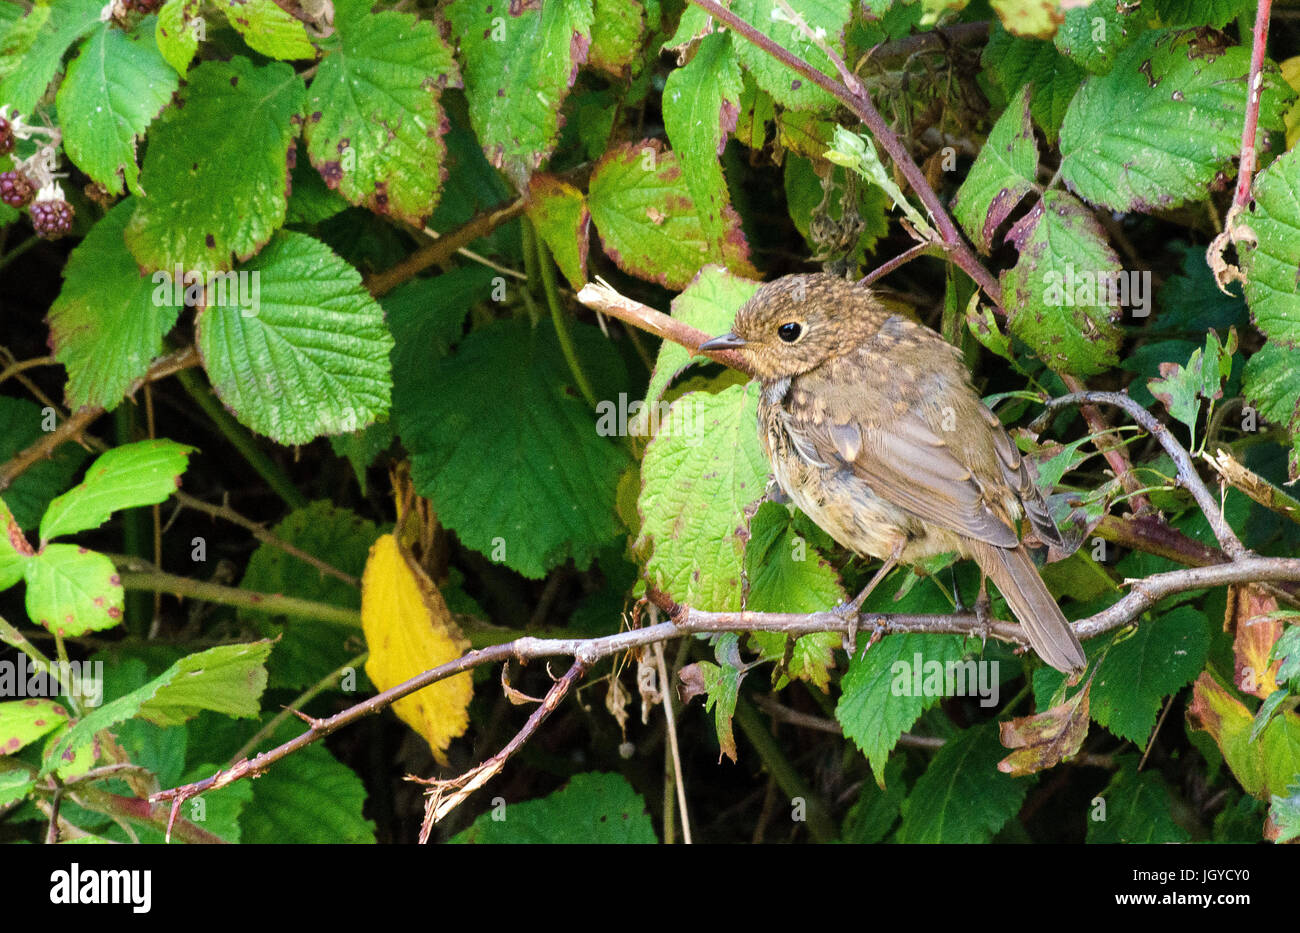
column 1018, row 475
column 904, row 461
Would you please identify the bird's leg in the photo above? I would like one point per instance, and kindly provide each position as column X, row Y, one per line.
column 982, row 615
column 851, row 610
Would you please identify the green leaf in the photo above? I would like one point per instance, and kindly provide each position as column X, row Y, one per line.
column 1280, row 753
column 879, row 699
column 270, row 30
column 962, row 797
column 510, row 455
column 616, row 36
column 699, row 475
column 1162, row 656
column 648, row 222
column 1058, row 288
column 309, row 797
column 142, row 473
column 1272, row 382
column 1284, row 812
column 720, row 685
column 306, row 650
column 1270, row 266
column 786, row 574
column 757, row 111
column 1012, row 63
column 312, row 358
column 50, row 29
column 177, row 33
column 71, row 591
column 1093, row 35
column 559, row 212
column 227, row 679
column 709, row 304
column 1216, row 13
column 1025, row 17
column 700, row 106
column 593, row 808
column 1164, row 83
column 108, row 322
column 374, row 125
column 217, row 180
column 15, row 550
column 22, row 423
column 826, row 18
column 520, row 61
column 1138, row 808
column 1003, row 173
column 24, row 721
column 1179, row 387
column 15, row 784
column 114, row 88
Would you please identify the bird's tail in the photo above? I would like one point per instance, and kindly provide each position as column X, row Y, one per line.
column 1013, row 572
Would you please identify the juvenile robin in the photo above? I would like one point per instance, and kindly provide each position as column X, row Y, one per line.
column 873, row 429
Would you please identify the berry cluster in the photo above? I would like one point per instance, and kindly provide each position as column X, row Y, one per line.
column 16, row 189
column 51, row 218
column 6, row 136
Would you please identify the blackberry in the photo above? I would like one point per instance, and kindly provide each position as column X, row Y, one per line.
column 6, row 136
column 51, row 218
column 16, row 189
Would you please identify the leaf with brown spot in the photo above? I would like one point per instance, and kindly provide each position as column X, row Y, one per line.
column 1046, row 739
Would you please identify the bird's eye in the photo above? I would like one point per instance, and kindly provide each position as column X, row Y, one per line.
column 789, row 332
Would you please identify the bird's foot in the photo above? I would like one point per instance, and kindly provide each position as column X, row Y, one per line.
column 983, row 617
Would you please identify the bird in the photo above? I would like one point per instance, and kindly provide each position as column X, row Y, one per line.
column 874, row 430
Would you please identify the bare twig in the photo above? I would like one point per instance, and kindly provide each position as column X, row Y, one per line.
column 666, row 688
column 882, row 270
column 1112, row 448
column 82, row 417
column 1188, row 478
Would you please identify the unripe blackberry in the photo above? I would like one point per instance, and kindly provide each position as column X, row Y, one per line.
column 16, row 189
column 51, row 218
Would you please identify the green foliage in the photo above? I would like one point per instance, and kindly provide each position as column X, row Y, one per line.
column 591, row 808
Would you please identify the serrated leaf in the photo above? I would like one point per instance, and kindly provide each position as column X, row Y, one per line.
column 700, row 107
column 826, row 18
column 1227, row 721
column 1003, row 173
column 719, row 684
column 270, row 30
column 786, row 574
column 408, row 631
column 22, row 423
column 648, row 222
column 1012, row 62
column 1216, row 13
column 1037, row 18
column 520, row 62
column 177, row 33
column 47, row 32
column 708, row 304
column 699, row 474
column 1269, row 266
column 227, row 679
column 15, row 550
column 559, row 213
column 142, row 473
column 114, row 88
column 1138, row 808
column 1183, row 100
column 108, row 322
column 1093, row 35
column 962, row 797
column 1058, row 288
column 616, row 35
column 879, row 699
column 309, row 797
column 15, row 784
column 313, row 358
column 374, row 125
column 509, row 454
column 71, row 591
column 201, row 214
column 24, row 721
column 1271, row 381
column 592, row 808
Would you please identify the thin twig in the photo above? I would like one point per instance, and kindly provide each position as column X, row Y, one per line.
column 666, row 690
column 1188, row 478
column 882, row 270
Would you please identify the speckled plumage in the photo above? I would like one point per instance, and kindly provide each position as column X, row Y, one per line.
column 873, row 429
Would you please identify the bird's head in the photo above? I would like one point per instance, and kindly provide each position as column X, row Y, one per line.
column 796, row 323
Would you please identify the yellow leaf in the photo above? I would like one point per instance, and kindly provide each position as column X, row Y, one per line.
column 1291, row 75
column 409, row 630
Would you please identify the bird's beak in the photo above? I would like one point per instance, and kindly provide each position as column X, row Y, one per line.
column 724, row 342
